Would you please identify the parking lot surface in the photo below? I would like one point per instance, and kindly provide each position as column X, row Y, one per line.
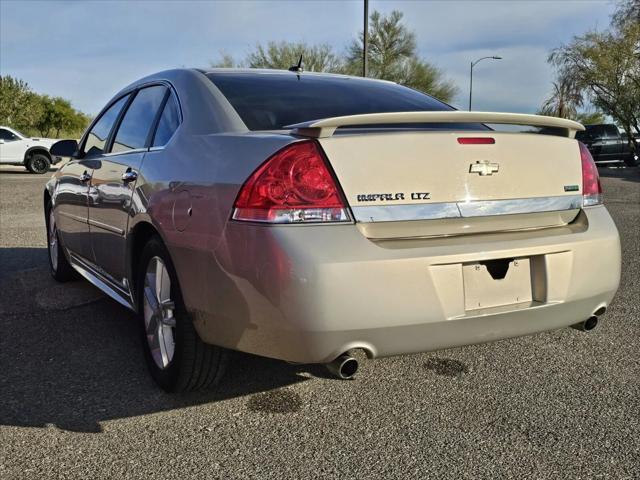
column 76, row 400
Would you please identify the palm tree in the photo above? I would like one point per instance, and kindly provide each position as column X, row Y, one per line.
column 565, row 99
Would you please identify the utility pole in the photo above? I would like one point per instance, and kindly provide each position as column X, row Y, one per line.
column 365, row 39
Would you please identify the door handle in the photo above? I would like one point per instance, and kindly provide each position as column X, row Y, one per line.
column 129, row 176
column 85, row 177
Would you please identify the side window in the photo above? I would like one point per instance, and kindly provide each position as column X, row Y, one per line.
column 611, row 131
column 168, row 123
column 97, row 137
column 138, row 119
column 7, row 136
column 582, row 136
column 597, row 131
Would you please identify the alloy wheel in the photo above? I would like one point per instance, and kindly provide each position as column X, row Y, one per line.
column 53, row 241
column 159, row 309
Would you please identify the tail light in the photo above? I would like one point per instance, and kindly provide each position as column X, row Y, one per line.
column 294, row 185
column 591, row 188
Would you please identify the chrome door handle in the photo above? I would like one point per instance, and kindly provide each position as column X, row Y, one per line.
column 85, row 177
column 129, row 176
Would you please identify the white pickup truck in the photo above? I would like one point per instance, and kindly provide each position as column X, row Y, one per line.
column 18, row 149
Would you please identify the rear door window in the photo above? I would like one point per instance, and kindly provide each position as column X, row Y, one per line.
column 137, row 122
column 99, row 133
column 168, row 123
column 611, row 131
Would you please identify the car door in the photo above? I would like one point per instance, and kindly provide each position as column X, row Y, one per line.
column 114, row 180
column 12, row 147
column 613, row 143
column 71, row 207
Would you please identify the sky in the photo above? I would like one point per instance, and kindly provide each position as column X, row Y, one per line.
column 87, row 51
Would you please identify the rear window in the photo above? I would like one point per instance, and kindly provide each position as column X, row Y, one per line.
column 271, row 101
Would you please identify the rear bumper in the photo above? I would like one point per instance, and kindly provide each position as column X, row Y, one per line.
column 308, row 293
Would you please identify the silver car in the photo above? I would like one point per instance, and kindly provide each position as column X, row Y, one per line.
column 300, row 216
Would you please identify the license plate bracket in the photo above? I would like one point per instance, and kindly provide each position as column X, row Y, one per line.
column 492, row 284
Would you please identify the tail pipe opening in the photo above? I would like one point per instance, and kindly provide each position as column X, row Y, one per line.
column 343, row 367
column 591, row 323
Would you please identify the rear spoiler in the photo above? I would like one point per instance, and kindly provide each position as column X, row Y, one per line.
column 326, row 127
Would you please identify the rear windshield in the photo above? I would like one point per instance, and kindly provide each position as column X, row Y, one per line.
column 271, row 101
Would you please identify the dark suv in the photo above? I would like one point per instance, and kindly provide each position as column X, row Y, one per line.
column 606, row 144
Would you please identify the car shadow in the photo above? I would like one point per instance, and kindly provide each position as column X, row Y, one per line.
column 73, row 358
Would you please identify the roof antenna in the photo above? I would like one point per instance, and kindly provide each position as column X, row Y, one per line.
column 297, row 68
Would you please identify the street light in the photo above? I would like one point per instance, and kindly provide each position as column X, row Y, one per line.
column 473, row 64
column 365, row 37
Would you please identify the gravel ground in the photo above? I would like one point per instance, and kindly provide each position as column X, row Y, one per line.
column 77, row 402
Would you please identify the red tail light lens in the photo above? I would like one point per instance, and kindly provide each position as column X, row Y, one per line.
column 292, row 186
column 591, row 188
column 476, row 140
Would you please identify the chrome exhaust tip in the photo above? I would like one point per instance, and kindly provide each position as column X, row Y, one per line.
column 343, row 367
column 589, row 325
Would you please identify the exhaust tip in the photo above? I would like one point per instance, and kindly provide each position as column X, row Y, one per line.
column 600, row 311
column 588, row 325
column 343, row 367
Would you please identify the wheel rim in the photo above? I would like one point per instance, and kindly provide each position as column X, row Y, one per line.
column 53, row 241
column 159, row 320
column 38, row 165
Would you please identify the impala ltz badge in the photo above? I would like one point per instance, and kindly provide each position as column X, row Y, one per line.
column 485, row 167
column 392, row 197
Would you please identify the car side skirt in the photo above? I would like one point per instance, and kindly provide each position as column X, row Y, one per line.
column 91, row 273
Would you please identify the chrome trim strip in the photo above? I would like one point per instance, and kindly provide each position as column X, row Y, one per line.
column 84, row 269
column 480, row 208
column 394, row 213
column 105, row 226
column 124, row 152
column 73, row 217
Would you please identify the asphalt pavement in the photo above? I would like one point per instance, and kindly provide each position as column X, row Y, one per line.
column 76, row 400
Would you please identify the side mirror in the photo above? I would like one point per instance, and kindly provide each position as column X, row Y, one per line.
column 1, row 141
column 64, row 148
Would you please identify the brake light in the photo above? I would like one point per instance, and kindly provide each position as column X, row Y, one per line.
column 591, row 188
column 294, row 185
column 476, row 140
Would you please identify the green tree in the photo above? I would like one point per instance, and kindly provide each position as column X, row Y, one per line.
column 225, row 61
column 392, row 55
column 59, row 116
column 26, row 110
column 20, row 107
column 565, row 99
column 606, row 65
column 590, row 118
column 282, row 55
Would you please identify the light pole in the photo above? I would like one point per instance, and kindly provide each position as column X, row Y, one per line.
column 473, row 64
column 365, row 39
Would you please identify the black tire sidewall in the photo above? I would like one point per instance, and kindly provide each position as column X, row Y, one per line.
column 168, row 378
column 631, row 161
column 32, row 160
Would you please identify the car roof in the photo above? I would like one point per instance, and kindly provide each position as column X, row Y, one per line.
column 268, row 71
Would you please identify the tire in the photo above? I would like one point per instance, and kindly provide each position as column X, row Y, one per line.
column 59, row 266
column 631, row 160
column 38, row 163
column 177, row 358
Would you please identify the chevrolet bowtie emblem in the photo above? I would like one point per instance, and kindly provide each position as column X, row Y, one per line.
column 484, row 167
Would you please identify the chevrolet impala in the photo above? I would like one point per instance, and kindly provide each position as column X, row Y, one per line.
column 301, row 216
